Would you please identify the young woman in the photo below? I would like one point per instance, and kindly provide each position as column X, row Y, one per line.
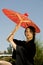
column 24, row 51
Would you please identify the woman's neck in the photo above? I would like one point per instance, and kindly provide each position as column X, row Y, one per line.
column 30, row 40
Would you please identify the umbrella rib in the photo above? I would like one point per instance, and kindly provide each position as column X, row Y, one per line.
column 19, row 17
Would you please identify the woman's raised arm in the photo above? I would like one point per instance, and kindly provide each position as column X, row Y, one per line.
column 11, row 36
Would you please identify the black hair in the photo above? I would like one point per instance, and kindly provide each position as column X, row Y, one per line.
column 32, row 29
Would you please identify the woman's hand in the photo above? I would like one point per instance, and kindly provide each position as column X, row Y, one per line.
column 21, row 20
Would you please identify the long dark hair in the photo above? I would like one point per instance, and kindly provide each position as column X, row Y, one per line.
column 32, row 29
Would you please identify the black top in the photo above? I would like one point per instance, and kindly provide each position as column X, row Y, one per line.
column 25, row 52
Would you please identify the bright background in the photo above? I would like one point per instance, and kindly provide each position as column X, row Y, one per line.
column 35, row 10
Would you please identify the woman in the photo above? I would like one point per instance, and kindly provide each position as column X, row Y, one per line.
column 24, row 51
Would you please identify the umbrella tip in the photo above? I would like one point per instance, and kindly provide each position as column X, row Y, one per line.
column 26, row 14
column 3, row 9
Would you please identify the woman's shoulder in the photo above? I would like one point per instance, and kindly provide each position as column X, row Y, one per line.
column 19, row 42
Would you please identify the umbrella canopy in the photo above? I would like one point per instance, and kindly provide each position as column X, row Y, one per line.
column 17, row 17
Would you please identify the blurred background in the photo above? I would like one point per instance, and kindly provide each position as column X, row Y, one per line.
column 35, row 10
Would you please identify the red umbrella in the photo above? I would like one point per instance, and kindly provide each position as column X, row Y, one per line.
column 17, row 17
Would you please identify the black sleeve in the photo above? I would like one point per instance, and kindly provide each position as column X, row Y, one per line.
column 18, row 42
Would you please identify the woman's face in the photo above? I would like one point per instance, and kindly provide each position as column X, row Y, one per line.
column 29, row 34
